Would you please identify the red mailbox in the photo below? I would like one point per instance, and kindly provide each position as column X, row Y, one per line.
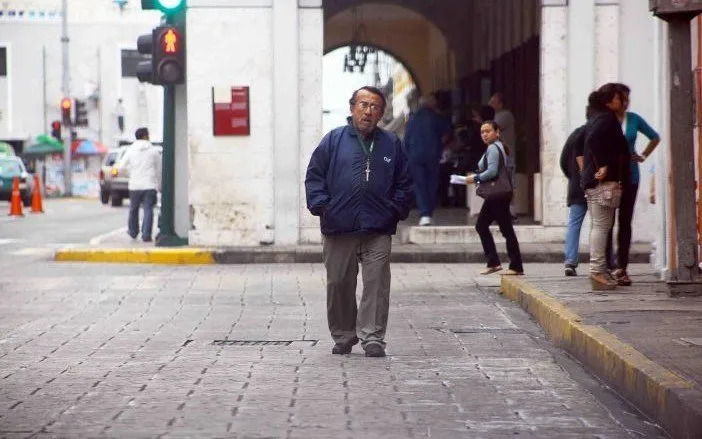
column 230, row 111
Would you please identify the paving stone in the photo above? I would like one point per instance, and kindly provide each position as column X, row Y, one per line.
column 127, row 351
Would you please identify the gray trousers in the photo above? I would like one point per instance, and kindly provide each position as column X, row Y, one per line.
column 602, row 218
column 369, row 320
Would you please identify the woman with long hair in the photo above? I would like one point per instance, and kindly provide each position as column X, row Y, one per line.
column 631, row 125
column 605, row 170
column 495, row 210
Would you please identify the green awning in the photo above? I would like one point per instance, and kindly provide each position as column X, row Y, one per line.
column 44, row 145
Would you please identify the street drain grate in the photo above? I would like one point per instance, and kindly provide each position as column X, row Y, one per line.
column 483, row 330
column 264, row 342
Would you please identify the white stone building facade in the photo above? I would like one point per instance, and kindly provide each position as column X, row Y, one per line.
column 249, row 190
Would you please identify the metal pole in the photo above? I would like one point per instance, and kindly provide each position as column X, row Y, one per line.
column 682, row 153
column 66, row 90
column 43, row 81
column 99, row 94
column 167, row 236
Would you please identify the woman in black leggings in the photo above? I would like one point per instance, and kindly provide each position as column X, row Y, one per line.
column 495, row 210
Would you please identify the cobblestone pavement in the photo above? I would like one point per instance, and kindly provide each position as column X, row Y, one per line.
column 127, row 351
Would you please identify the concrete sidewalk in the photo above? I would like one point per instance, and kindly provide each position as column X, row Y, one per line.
column 644, row 344
column 124, row 250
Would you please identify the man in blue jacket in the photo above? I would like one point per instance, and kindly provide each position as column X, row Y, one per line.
column 358, row 184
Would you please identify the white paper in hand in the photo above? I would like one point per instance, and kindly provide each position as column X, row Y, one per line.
column 458, row 179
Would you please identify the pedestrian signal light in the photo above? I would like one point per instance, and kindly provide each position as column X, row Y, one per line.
column 66, row 105
column 167, row 49
column 169, row 41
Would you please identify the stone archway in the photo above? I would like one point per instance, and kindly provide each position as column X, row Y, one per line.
column 404, row 33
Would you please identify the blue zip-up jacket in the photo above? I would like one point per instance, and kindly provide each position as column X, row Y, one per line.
column 423, row 136
column 337, row 190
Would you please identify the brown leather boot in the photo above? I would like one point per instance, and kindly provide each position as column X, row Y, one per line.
column 621, row 277
column 602, row 282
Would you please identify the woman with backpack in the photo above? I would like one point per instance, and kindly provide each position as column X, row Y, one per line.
column 494, row 174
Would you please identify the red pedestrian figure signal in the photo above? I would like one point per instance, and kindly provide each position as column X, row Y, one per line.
column 170, row 41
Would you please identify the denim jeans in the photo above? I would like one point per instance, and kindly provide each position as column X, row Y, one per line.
column 147, row 198
column 426, row 186
column 576, row 215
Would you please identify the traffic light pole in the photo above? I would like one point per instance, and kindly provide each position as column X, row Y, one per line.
column 65, row 86
column 167, row 236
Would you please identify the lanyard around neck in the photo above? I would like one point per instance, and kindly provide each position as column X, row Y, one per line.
column 362, row 143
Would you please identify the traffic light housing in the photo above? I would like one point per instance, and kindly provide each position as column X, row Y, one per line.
column 66, row 105
column 168, row 7
column 81, row 119
column 166, row 45
column 56, row 130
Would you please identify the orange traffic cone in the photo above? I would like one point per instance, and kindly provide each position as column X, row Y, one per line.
column 16, row 199
column 37, row 205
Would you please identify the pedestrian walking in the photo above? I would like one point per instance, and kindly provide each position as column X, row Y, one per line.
column 495, row 160
column 142, row 161
column 605, row 169
column 572, row 164
column 426, row 133
column 631, row 124
column 357, row 182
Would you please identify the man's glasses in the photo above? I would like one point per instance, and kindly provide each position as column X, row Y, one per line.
column 366, row 105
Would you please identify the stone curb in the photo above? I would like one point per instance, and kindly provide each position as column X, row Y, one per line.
column 666, row 397
column 289, row 255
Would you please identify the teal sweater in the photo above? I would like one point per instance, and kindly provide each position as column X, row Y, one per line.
column 634, row 125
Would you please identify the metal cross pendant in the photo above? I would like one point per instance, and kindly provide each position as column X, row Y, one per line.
column 367, row 170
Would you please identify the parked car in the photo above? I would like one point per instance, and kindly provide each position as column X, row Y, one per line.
column 11, row 167
column 113, row 185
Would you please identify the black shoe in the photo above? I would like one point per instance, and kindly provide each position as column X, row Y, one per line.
column 570, row 271
column 374, row 350
column 146, row 239
column 344, row 348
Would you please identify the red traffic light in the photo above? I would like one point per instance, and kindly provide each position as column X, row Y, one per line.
column 66, row 103
column 170, row 41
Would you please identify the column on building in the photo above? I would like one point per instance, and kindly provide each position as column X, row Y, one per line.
column 310, row 132
column 247, row 190
column 554, row 110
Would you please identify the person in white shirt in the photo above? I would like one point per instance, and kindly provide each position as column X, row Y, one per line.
column 143, row 163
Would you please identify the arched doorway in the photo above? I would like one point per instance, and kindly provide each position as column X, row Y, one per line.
column 348, row 68
column 469, row 49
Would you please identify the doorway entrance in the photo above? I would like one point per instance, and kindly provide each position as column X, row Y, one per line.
column 467, row 50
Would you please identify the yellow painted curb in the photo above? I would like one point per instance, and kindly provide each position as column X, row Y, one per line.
column 176, row 256
column 648, row 384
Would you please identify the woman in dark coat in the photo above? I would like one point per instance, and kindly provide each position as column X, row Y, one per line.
column 606, row 159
